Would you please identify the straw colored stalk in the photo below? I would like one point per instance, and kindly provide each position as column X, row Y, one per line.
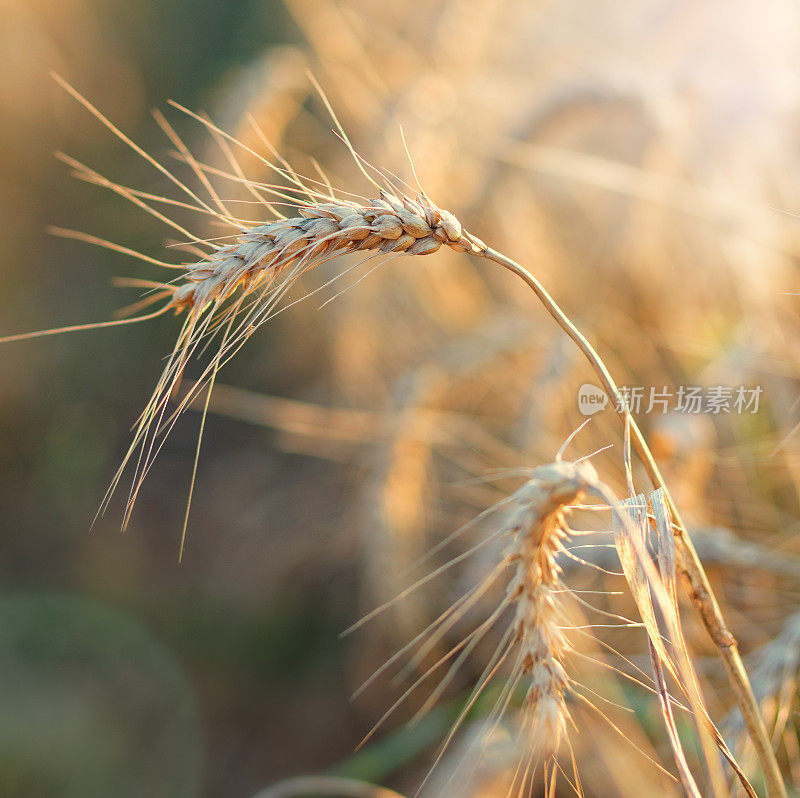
column 265, row 260
column 689, row 563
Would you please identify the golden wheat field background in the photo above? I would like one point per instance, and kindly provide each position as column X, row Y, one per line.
column 641, row 159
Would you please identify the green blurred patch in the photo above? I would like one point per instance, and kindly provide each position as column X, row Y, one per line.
column 92, row 705
column 281, row 644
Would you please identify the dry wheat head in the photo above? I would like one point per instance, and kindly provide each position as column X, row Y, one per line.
column 389, row 224
column 538, row 531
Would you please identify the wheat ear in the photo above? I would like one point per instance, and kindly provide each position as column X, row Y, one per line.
column 388, row 224
column 538, row 530
column 263, row 263
column 534, row 641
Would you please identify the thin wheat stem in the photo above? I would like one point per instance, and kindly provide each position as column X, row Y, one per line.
column 700, row 591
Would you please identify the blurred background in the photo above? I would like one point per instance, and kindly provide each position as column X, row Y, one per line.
column 641, row 158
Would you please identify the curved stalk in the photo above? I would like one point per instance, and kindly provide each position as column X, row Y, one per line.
column 689, row 563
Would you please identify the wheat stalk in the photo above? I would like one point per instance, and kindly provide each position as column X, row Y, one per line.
column 325, row 785
column 689, row 563
column 265, row 260
column 534, row 647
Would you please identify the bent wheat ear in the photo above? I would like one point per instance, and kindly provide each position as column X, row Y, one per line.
column 238, row 287
column 234, row 288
